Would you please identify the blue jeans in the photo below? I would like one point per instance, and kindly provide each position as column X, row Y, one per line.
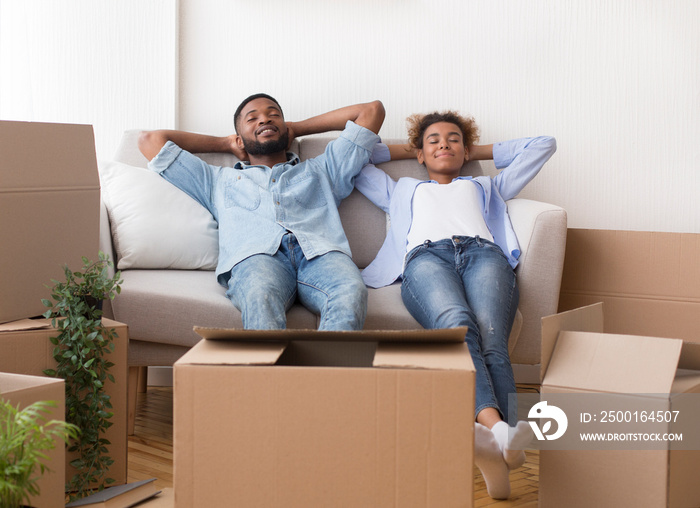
column 465, row 281
column 263, row 288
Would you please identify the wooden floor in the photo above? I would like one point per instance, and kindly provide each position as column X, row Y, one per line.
column 151, row 454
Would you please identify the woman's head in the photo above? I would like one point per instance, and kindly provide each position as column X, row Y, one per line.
column 418, row 124
column 442, row 142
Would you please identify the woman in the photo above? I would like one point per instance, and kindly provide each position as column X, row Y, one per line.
column 452, row 244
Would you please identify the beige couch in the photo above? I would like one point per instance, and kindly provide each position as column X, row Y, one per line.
column 161, row 304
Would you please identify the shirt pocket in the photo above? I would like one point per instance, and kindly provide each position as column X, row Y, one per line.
column 242, row 192
column 307, row 190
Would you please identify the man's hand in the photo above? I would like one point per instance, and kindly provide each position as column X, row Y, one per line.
column 236, row 144
column 291, row 132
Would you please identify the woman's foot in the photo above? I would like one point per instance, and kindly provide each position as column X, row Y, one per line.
column 512, row 442
column 489, row 459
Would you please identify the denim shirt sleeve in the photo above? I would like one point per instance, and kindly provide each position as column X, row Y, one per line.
column 380, row 153
column 346, row 155
column 187, row 172
column 376, row 186
column 522, row 159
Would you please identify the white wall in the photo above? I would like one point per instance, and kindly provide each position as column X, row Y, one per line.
column 111, row 64
column 617, row 82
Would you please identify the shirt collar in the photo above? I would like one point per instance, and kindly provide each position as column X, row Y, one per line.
column 292, row 159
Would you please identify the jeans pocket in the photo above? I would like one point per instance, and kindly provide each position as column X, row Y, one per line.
column 414, row 252
column 492, row 246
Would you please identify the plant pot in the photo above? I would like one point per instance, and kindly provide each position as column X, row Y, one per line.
column 93, row 302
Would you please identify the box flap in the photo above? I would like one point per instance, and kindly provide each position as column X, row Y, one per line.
column 584, row 319
column 686, row 381
column 25, row 324
column 424, row 356
column 613, row 363
column 11, row 383
column 237, row 334
column 690, row 356
column 212, row 352
column 50, row 155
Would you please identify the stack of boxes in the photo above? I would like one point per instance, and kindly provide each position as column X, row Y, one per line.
column 49, row 204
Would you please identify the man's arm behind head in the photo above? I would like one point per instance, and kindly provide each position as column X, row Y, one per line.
column 151, row 142
column 369, row 115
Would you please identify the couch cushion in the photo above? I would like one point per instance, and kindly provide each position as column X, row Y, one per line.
column 386, row 310
column 164, row 305
column 154, row 224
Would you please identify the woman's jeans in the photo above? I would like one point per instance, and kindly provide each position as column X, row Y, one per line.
column 264, row 287
column 465, row 281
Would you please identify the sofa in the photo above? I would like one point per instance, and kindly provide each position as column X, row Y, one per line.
column 164, row 243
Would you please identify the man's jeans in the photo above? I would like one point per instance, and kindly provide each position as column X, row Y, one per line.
column 465, row 281
column 264, row 287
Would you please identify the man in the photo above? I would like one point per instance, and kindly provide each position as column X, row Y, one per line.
column 280, row 235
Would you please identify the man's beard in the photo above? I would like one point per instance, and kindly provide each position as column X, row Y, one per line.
column 254, row 147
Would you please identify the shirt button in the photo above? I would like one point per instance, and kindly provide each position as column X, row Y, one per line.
column 278, row 203
column 273, row 180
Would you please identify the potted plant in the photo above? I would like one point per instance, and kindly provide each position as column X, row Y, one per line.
column 25, row 437
column 81, row 351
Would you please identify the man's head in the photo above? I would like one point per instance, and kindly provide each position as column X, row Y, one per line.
column 259, row 122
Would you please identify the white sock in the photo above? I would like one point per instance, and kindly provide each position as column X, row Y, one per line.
column 512, row 441
column 489, row 459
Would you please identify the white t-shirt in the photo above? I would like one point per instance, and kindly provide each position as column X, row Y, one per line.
column 447, row 210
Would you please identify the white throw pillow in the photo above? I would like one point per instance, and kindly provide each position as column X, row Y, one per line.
column 155, row 224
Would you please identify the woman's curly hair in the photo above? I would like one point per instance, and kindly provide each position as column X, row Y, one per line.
column 418, row 124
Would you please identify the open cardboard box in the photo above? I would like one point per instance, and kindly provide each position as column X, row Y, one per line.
column 577, row 358
column 25, row 348
column 49, row 204
column 25, row 390
column 262, row 418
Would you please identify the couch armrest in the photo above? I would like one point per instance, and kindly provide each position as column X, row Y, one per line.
column 106, row 246
column 541, row 231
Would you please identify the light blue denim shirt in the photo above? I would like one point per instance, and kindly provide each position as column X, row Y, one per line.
column 256, row 205
column 522, row 160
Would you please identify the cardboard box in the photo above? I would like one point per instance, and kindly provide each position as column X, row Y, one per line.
column 649, row 281
column 49, row 204
column 634, row 371
column 342, row 420
column 166, row 499
column 23, row 391
column 25, row 349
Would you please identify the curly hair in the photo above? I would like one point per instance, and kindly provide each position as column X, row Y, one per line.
column 418, row 124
